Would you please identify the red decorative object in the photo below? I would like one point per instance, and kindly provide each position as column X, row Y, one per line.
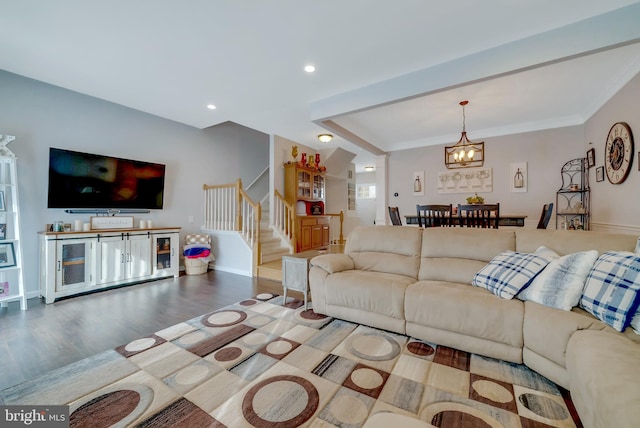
column 318, row 159
column 303, row 161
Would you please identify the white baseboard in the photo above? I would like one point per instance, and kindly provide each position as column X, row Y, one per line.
column 615, row 228
column 232, row 270
column 32, row 294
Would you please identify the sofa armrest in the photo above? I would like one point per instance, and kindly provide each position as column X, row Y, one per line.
column 332, row 263
column 604, row 377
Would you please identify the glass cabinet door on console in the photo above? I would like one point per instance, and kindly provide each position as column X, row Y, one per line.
column 75, row 264
column 165, row 256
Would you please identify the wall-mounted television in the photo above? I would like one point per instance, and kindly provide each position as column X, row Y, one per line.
column 85, row 180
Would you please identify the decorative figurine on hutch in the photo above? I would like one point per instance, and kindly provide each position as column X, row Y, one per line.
column 311, row 163
column 294, row 153
column 303, row 160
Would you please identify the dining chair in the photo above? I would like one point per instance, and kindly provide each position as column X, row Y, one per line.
column 394, row 214
column 434, row 215
column 545, row 216
column 479, row 215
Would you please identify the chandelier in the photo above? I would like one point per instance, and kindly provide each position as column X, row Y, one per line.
column 465, row 153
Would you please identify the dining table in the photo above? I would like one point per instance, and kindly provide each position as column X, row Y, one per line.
column 503, row 220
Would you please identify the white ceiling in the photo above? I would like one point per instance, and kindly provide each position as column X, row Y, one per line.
column 389, row 75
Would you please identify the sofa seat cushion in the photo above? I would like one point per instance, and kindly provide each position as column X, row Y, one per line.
column 377, row 292
column 464, row 309
column 547, row 330
column 604, row 379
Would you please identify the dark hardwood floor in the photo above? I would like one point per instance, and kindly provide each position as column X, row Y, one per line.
column 46, row 337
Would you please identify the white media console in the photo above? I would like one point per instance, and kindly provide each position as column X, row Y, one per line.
column 79, row 262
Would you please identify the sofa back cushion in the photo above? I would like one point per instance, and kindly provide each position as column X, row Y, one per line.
column 566, row 242
column 391, row 249
column 456, row 254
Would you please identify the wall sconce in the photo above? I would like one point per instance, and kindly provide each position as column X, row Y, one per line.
column 465, row 153
column 325, row 138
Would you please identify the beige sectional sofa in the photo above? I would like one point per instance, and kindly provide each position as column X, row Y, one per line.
column 418, row 282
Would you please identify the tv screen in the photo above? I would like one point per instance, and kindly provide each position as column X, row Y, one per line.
column 84, row 180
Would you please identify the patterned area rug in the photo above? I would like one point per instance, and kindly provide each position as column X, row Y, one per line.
column 261, row 363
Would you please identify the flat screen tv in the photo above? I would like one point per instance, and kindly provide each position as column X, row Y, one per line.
column 85, row 180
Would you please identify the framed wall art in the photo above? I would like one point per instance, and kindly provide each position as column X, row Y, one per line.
column 591, row 158
column 600, row 173
column 418, row 183
column 518, row 177
column 7, row 255
column 470, row 180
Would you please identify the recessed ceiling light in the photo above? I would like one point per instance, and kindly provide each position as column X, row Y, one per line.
column 211, row 107
column 309, row 68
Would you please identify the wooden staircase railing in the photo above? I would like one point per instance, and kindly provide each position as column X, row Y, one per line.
column 340, row 240
column 284, row 216
column 228, row 207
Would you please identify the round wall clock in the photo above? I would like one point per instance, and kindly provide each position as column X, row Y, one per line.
column 618, row 153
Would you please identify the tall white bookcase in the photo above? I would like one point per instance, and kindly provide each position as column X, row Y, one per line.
column 11, row 275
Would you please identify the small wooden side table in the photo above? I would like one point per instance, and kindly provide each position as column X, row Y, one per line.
column 295, row 275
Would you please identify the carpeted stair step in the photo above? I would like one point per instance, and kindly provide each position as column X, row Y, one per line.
column 275, row 254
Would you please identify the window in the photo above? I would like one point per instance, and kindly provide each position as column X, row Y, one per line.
column 366, row 191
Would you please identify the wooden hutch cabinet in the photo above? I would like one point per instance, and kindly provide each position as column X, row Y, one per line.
column 307, row 186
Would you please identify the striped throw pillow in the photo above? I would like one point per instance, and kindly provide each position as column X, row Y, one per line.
column 509, row 272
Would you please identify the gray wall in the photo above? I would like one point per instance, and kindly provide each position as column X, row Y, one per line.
column 615, row 208
column 43, row 116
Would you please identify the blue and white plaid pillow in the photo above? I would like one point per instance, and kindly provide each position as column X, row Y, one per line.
column 612, row 289
column 509, row 272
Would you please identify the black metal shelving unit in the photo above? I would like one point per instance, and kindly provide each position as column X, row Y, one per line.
column 573, row 201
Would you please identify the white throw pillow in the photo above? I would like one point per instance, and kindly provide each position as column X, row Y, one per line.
column 509, row 272
column 560, row 284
